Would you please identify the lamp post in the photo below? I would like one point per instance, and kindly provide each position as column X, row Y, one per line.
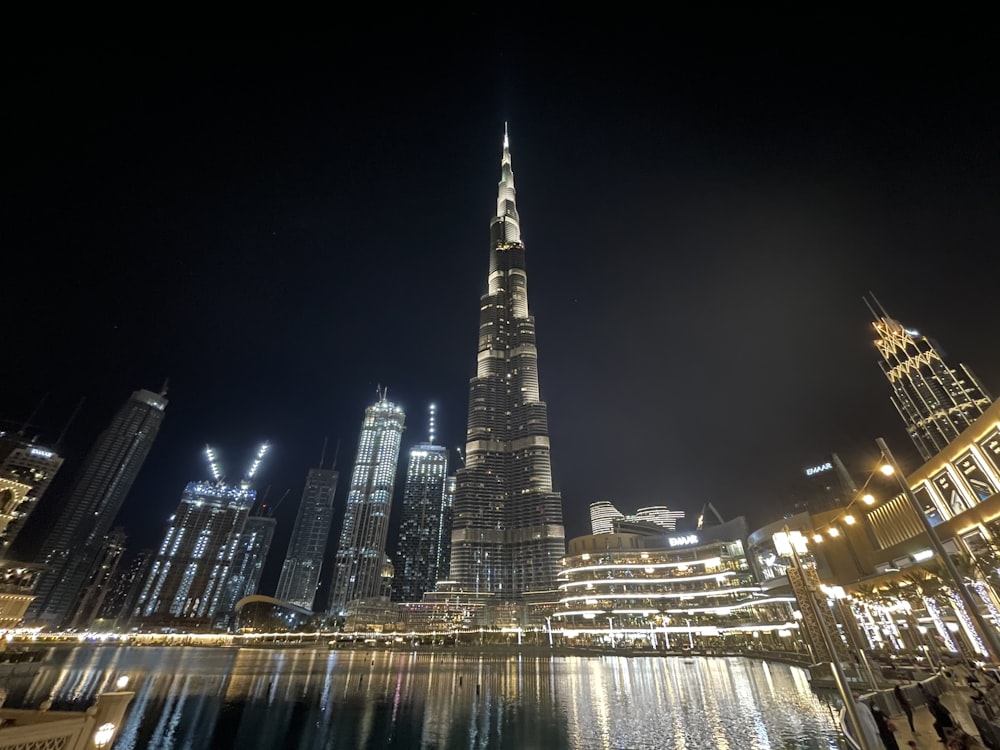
column 987, row 633
column 690, row 635
column 611, row 630
column 838, row 595
column 548, row 626
column 850, row 707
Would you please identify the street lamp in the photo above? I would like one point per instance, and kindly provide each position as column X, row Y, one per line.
column 786, row 543
column 838, row 595
column 690, row 636
column 987, row 633
column 611, row 630
column 548, row 626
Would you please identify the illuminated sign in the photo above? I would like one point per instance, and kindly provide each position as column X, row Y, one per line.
column 814, row 470
column 42, row 454
column 679, row 541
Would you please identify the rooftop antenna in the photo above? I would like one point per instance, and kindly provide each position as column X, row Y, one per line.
column 280, row 500
column 322, row 455
column 261, row 452
column 380, row 392
column 72, row 418
column 336, row 453
column 31, row 417
column 431, row 430
column 213, row 463
column 166, row 385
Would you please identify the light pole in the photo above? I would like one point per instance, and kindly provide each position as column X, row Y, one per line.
column 838, row 595
column 690, row 636
column 548, row 626
column 611, row 630
column 850, row 707
column 987, row 633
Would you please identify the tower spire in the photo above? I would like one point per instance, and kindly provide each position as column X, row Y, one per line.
column 507, row 225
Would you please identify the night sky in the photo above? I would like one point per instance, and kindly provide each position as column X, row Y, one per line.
column 278, row 228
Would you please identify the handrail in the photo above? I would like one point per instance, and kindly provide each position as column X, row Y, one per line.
column 844, row 726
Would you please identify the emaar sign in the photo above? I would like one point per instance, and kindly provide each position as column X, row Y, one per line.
column 814, row 470
column 681, row 541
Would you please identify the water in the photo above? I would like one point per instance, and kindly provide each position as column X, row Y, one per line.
column 220, row 698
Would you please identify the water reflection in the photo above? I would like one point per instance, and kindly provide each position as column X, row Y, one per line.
column 310, row 698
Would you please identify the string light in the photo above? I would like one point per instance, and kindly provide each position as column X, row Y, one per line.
column 863, row 499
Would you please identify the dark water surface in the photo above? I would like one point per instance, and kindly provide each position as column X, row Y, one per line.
column 220, row 698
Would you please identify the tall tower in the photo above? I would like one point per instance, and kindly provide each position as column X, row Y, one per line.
column 935, row 401
column 188, row 584
column 248, row 563
column 361, row 553
column 27, row 463
column 419, row 550
column 507, row 533
column 307, row 547
column 75, row 542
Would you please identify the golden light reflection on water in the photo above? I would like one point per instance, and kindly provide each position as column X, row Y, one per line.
column 224, row 698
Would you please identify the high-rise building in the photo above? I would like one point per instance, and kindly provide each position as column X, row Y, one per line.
column 605, row 517
column 99, row 583
column 123, row 591
column 936, row 402
column 361, row 557
column 248, row 563
column 31, row 464
column 186, row 585
column 75, row 542
column 307, row 547
column 418, row 553
column 444, row 531
column 507, row 533
column 188, row 582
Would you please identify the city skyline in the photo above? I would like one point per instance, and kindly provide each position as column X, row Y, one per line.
column 699, row 244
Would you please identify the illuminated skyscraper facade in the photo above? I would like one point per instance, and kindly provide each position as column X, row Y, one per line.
column 418, row 554
column 507, row 533
column 361, row 554
column 605, row 517
column 307, row 547
column 75, row 543
column 935, row 401
column 248, row 563
column 27, row 463
column 187, row 582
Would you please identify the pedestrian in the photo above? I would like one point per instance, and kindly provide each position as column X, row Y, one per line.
column 904, row 703
column 886, row 729
column 868, row 728
column 943, row 722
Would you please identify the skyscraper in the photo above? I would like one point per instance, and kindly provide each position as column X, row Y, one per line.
column 252, row 547
column 188, row 584
column 935, row 401
column 27, row 463
column 604, row 517
column 418, row 553
column 307, row 546
column 361, row 553
column 74, row 544
column 444, row 530
column 507, row 532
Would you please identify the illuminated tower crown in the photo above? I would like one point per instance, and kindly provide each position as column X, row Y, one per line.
column 935, row 401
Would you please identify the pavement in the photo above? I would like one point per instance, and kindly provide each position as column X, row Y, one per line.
column 955, row 700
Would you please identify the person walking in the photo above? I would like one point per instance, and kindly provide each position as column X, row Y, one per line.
column 904, row 703
column 943, row 721
column 868, row 728
column 886, row 729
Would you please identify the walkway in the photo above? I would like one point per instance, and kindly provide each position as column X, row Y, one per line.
column 955, row 700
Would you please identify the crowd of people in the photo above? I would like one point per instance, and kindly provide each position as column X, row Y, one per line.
column 880, row 730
